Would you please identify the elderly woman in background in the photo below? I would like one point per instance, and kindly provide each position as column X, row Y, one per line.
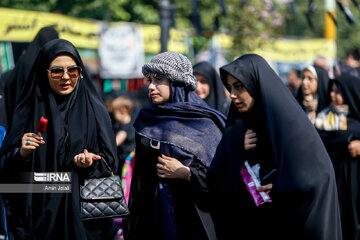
column 313, row 95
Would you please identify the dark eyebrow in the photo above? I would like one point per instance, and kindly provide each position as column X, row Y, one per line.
column 237, row 83
column 158, row 75
column 62, row 67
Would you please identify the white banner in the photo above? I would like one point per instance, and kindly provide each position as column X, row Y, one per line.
column 121, row 51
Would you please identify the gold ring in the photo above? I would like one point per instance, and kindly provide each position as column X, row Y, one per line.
column 83, row 161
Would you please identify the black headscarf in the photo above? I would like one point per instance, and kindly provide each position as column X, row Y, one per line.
column 3, row 115
column 322, row 90
column 76, row 121
column 349, row 88
column 216, row 98
column 14, row 81
column 305, row 182
column 185, row 121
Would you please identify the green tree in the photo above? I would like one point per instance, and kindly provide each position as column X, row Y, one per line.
column 142, row 11
column 347, row 34
column 251, row 24
column 303, row 22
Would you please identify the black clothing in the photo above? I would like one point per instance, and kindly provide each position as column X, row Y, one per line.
column 304, row 193
column 3, row 115
column 348, row 70
column 173, row 211
column 14, row 80
column 125, row 148
column 77, row 121
column 216, row 98
column 347, row 168
column 349, row 88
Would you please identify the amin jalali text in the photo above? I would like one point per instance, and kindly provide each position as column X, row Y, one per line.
column 57, row 188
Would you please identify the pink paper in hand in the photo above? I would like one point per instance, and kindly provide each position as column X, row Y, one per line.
column 41, row 127
column 251, row 183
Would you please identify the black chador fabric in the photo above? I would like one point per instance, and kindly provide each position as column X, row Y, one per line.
column 347, row 70
column 349, row 87
column 15, row 80
column 305, row 203
column 125, row 148
column 188, row 130
column 3, row 115
column 216, row 98
column 347, row 168
column 76, row 122
column 322, row 91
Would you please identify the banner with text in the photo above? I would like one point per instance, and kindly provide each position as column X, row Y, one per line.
column 22, row 26
column 298, row 50
column 287, row 54
column 121, row 51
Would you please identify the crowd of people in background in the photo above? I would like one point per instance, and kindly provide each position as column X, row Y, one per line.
column 199, row 134
column 331, row 100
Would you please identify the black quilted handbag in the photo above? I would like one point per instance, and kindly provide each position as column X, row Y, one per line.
column 103, row 198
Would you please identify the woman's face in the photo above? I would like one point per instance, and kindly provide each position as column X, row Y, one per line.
column 203, row 86
column 63, row 74
column 242, row 99
column 309, row 83
column 159, row 88
column 336, row 97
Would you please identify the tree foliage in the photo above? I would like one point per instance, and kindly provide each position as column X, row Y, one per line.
column 300, row 21
column 141, row 11
column 251, row 23
column 347, row 34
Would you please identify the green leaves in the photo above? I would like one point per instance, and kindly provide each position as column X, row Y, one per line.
column 251, row 24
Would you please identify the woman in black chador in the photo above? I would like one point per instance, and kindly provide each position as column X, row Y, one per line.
column 339, row 127
column 268, row 133
column 78, row 139
column 176, row 139
column 210, row 88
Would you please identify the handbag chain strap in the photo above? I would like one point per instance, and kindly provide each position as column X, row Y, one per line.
column 107, row 165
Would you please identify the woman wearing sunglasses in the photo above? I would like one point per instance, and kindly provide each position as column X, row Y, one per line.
column 78, row 139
